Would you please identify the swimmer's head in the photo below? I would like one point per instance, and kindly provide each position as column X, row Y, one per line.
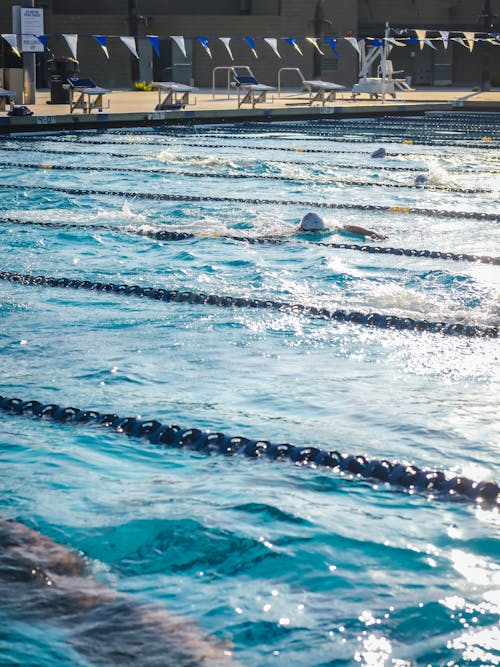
column 312, row 222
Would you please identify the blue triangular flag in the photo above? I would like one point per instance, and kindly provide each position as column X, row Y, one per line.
column 43, row 40
column 204, row 42
column 293, row 43
column 155, row 41
column 251, row 43
column 101, row 40
column 333, row 44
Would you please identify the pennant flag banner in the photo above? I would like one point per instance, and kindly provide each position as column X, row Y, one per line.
column 293, row 44
column 101, row 40
column 251, row 43
column 12, row 40
column 314, row 42
column 353, row 42
column 333, row 45
column 179, row 40
column 273, row 43
column 72, row 42
column 469, row 38
column 445, row 36
column 421, row 35
column 225, row 41
column 131, row 45
column 402, row 39
column 204, row 42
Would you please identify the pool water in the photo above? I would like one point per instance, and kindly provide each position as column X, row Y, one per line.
column 289, row 565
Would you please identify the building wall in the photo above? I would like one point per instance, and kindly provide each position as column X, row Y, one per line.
column 256, row 18
column 428, row 67
column 210, row 18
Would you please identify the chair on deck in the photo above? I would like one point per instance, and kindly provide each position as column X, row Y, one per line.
column 319, row 91
column 250, row 91
column 175, row 95
column 6, row 98
column 85, row 94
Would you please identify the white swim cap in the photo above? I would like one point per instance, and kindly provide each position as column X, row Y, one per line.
column 312, row 222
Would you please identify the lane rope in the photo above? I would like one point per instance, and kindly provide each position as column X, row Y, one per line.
column 435, row 213
column 401, row 475
column 248, row 176
column 377, row 320
column 168, row 144
column 167, row 235
column 274, row 135
column 364, row 167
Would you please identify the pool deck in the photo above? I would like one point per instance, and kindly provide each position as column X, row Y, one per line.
column 133, row 108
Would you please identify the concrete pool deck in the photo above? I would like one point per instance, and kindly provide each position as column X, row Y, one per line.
column 126, row 108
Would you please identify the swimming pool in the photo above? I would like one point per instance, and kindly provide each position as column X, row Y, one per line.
column 292, row 565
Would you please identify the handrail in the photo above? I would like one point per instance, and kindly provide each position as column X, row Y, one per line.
column 230, row 70
column 288, row 69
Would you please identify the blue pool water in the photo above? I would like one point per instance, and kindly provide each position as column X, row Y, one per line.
column 289, row 565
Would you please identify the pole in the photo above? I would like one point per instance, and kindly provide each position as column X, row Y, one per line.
column 488, row 24
column 319, row 24
column 29, row 69
column 383, row 60
column 133, row 22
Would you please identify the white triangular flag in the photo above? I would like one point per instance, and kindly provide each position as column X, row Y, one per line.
column 421, row 35
column 179, row 40
column 314, row 42
column 353, row 42
column 395, row 42
column 131, row 45
column 445, row 36
column 459, row 40
column 273, row 43
column 429, row 43
column 72, row 42
column 225, row 41
column 469, row 38
column 12, row 39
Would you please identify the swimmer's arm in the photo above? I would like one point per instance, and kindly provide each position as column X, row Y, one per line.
column 361, row 231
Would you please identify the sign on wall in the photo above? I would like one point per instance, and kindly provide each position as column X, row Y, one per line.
column 28, row 22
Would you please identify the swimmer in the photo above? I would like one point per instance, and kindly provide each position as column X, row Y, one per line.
column 46, row 582
column 421, row 180
column 312, row 222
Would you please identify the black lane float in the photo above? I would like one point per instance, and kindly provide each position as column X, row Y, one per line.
column 400, row 475
column 377, row 320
